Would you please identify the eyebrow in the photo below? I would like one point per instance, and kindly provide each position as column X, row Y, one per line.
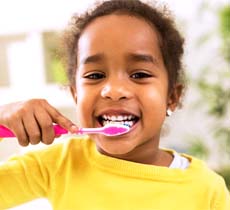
column 137, row 57
column 93, row 59
column 134, row 57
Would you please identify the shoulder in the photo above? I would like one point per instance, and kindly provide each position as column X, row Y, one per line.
column 206, row 177
column 207, row 183
column 201, row 171
column 197, row 169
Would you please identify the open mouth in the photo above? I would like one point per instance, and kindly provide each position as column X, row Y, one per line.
column 127, row 119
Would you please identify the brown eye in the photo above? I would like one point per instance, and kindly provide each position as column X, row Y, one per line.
column 140, row 75
column 94, row 76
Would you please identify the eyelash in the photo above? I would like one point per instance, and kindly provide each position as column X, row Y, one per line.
column 136, row 75
column 94, row 76
column 140, row 75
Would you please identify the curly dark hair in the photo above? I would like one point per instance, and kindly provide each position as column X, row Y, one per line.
column 171, row 42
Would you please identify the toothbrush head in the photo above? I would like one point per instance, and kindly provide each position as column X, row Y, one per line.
column 115, row 130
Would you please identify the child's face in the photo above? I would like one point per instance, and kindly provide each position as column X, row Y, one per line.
column 121, row 76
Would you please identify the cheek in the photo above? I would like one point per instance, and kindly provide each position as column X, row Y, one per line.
column 81, row 104
column 156, row 102
column 86, row 100
column 83, row 91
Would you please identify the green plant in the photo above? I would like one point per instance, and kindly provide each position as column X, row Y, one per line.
column 213, row 87
column 57, row 71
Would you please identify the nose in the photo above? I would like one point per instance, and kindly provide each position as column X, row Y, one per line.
column 116, row 90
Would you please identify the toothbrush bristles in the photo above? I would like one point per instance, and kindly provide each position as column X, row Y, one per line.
column 115, row 130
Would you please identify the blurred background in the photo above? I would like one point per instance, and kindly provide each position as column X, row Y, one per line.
column 30, row 67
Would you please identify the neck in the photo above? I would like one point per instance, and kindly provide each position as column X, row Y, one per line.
column 146, row 153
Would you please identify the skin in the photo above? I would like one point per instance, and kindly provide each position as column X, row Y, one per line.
column 121, row 70
column 32, row 121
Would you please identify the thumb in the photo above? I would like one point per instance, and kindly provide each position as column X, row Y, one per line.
column 60, row 119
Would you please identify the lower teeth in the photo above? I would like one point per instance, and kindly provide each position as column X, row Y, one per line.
column 126, row 123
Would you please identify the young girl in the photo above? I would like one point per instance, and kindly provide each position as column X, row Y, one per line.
column 124, row 66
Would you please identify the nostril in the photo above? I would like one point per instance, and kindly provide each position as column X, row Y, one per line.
column 115, row 93
column 123, row 97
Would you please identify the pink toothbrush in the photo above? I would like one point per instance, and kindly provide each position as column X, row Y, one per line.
column 107, row 130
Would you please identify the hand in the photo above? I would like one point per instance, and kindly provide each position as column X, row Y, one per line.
column 32, row 121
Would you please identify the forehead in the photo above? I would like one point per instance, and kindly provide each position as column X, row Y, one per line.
column 118, row 32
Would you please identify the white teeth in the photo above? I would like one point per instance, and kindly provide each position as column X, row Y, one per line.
column 119, row 119
column 113, row 118
column 130, row 123
column 104, row 117
column 127, row 123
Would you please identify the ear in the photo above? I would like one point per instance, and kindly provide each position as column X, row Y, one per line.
column 174, row 97
column 74, row 93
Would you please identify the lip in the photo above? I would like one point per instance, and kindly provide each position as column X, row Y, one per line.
column 116, row 112
column 119, row 111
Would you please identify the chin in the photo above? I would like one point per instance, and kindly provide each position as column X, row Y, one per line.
column 114, row 150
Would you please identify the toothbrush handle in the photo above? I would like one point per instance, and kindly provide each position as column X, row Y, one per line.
column 82, row 131
column 58, row 130
column 7, row 133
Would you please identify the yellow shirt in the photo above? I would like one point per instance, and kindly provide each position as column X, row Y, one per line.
column 75, row 176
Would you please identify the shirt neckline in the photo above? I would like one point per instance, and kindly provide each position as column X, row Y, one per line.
column 138, row 170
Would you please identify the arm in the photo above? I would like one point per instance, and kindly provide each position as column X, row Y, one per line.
column 222, row 197
column 21, row 180
column 29, row 176
column 32, row 120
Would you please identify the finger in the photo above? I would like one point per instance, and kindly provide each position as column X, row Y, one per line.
column 32, row 128
column 20, row 132
column 46, row 125
column 58, row 118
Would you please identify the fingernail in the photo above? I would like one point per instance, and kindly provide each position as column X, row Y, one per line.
column 73, row 129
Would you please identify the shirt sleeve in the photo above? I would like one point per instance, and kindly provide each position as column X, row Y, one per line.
column 25, row 178
column 222, row 201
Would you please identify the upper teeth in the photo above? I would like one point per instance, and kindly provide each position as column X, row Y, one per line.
column 127, row 120
column 118, row 117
